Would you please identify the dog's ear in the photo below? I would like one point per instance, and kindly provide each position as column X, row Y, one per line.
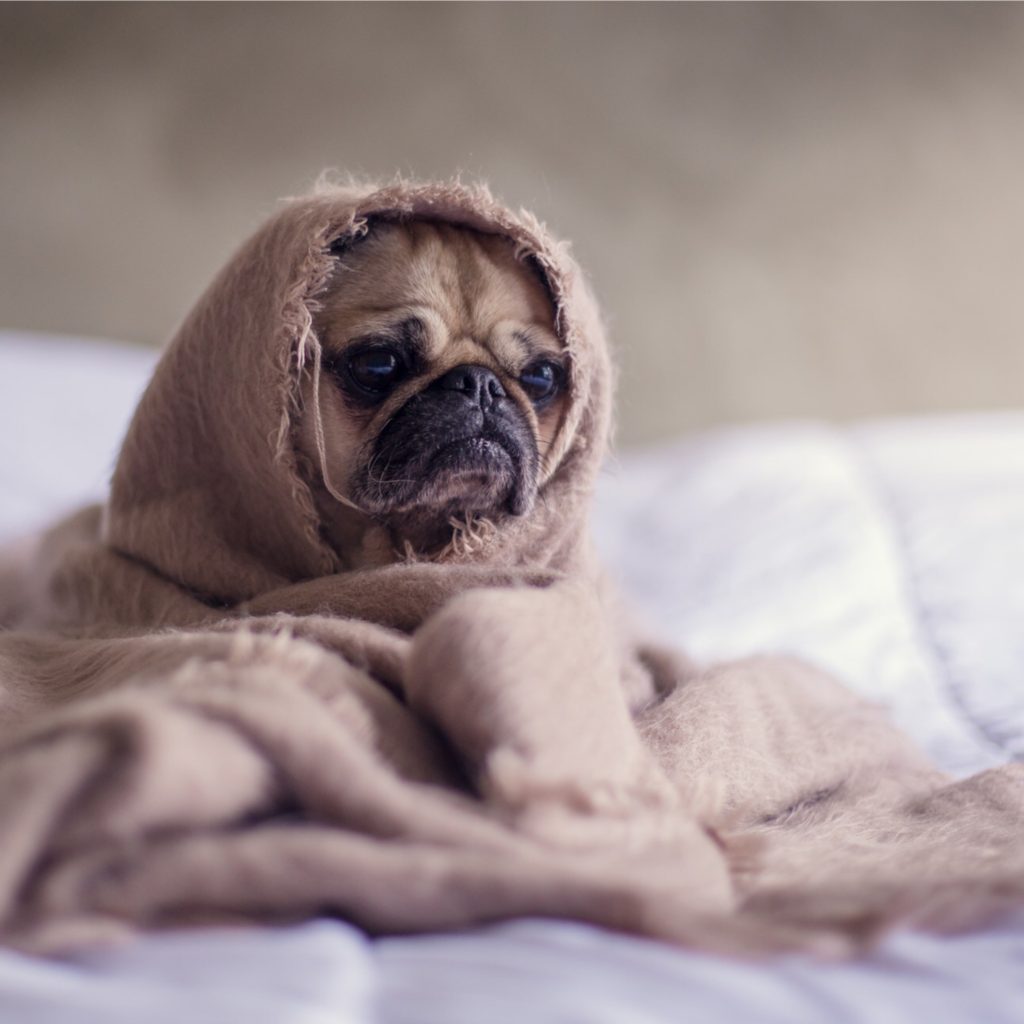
column 340, row 245
column 343, row 243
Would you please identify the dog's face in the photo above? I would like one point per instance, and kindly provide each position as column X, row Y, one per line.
column 443, row 383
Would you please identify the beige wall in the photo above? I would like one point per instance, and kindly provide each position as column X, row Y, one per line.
column 788, row 210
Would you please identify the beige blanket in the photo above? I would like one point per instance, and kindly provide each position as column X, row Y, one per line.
column 203, row 720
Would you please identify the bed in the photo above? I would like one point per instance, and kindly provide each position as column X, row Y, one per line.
column 890, row 552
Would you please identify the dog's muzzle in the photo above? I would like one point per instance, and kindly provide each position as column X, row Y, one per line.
column 462, row 444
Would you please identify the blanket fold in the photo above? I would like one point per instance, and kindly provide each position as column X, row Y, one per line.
column 205, row 718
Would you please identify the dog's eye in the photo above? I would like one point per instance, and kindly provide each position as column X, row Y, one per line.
column 375, row 370
column 542, row 380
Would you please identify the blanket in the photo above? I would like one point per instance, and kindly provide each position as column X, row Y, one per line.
column 203, row 718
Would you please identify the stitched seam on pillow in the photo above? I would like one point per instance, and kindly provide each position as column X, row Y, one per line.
column 985, row 733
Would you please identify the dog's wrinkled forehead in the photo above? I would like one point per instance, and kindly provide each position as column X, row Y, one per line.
column 459, row 295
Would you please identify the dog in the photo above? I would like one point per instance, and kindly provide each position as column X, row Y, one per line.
column 442, row 382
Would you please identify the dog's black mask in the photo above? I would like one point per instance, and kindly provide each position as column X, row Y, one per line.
column 460, row 445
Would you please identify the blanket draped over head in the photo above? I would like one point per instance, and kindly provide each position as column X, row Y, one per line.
column 204, row 719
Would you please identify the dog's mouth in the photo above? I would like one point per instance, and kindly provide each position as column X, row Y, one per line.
column 470, row 455
column 472, row 474
column 418, row 467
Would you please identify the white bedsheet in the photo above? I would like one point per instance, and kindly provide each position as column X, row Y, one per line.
column 892, row 553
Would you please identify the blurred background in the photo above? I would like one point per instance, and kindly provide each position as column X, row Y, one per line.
column 787, row 210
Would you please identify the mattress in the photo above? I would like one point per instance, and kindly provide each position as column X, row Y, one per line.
column 890, row 552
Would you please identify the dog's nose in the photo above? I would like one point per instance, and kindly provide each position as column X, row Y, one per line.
column 477, row 383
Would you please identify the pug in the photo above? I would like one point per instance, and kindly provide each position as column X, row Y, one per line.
column 442, row 382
